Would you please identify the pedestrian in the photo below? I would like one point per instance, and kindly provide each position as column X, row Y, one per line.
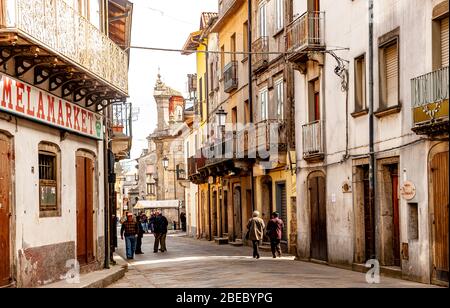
column 275, row 232
column 130, row 229
column 144, row 222
column 183, row 221
column 255, row 232
column 151, row 222
column 140, row 235
column 160, row 231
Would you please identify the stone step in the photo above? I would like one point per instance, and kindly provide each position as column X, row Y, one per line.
column 237, row 243
column 221, row 240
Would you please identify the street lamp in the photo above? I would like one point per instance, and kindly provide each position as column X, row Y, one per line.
column 165, row 162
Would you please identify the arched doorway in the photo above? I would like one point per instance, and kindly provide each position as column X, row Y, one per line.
column 438, row 181
column 5, row 209
column 317, row 203
column 237, row 211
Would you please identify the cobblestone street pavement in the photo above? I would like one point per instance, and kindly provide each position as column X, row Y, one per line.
column 191, row 263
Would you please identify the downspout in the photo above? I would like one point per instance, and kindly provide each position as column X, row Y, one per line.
column 371, row 129
column 250, row 88
column 106, row 185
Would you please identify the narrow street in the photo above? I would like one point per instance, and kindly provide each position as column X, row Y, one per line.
column 191, row 263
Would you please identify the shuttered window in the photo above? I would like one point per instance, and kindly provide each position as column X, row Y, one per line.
column 49, row 165
column 444, row 42
column 360, row 83
column 389, row 75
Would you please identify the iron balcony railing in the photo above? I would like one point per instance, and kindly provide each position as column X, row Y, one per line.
column 307, row 31
column 225, row 5
column 122, row 119
column 261, row 58
column 313, row 138
column 58, row 28
column 429, row 95
column 270, row 135
column 230, row 79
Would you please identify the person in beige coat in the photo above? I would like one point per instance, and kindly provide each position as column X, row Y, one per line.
column 255, row 232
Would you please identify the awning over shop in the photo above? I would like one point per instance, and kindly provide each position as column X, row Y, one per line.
column 159, row 204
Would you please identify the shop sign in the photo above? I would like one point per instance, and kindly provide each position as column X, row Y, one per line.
column 21, row 99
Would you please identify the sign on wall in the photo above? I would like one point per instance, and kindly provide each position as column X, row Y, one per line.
column 26, row 101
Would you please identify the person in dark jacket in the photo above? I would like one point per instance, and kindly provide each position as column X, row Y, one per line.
column 151, row 222
column 275, row 233
column 160, row 231
column 183, row 221
column 140, row 235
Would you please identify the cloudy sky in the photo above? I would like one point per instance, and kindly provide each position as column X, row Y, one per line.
column 165, row 24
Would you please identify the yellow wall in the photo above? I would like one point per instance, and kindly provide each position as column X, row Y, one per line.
column 201, row 74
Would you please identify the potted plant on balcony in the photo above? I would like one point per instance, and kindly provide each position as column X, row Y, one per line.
column 117, row 128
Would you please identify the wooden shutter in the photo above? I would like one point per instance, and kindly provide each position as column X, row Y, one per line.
column 444, row 42
column 391, row 69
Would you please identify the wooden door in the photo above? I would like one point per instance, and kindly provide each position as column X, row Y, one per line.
column 396, row 218
column 369, row 218
column 214, row 214
column 85, row 210
column 225, row 210
column 318, row 218
column 5, row 209
column 282, row 206
column 439, row 177
column 237, row 213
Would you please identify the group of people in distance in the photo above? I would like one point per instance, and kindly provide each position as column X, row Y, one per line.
column 133, row 229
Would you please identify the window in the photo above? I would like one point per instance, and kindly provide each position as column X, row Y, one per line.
column 222, row 57
column 233, row 47
column 279, row 14
column 179, row 113
column 211, row 77
column 263, row 96
column 360, row 83
column 151, row 189
column 247, row 112
column 234, row 117
column 49, row 180
column 94, row 13
column 279, row 93
column 245, row 40
column 200, row 95
column 444, row 42
column 314, row 100
column 262, row 21
column 389, row 75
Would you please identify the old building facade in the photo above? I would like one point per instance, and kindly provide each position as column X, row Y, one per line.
column 55, row 116
column 405, row 226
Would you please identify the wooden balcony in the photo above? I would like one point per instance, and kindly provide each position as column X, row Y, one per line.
column 63, row 48
column 313, row 141
column 429, row 95
column 230, row 78
column 195, row 165
column 260, row 60
column 305, row 34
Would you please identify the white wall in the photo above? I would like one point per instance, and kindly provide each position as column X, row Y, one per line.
column 32, row 231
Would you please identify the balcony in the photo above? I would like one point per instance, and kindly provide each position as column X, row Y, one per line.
column 429, row 95
column 271, row 139
column 304, row 34
column 260, row 59
column 62, row 46
column 121, row 127
column 313, row 141
column 195, row 164
column 230, row 79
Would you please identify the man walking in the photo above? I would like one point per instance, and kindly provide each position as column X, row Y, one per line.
column 130, row 229
column 140, row 235
column 161, row 224
column 255, row 232
column 275, row 233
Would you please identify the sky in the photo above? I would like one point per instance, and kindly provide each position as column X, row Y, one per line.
column 161, row 24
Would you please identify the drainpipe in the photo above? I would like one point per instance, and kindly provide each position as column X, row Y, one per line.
column 371, row 128
column 106, row 185
column 250, row 88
